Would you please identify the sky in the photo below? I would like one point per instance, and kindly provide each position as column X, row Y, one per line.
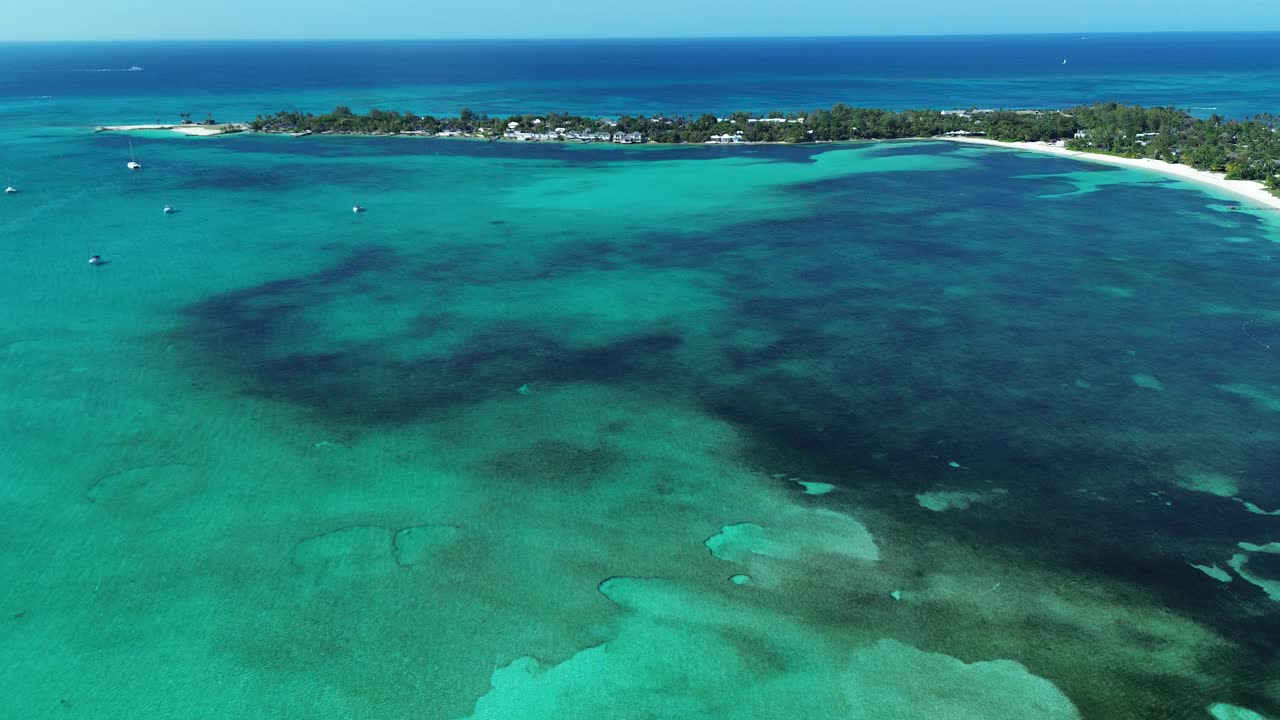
column 343, row 19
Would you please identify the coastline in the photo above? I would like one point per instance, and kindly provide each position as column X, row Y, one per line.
column 1249, row 190
column 1255, row 192
column 193, row 129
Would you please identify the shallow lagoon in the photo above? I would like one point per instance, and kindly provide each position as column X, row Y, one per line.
column 533, row 433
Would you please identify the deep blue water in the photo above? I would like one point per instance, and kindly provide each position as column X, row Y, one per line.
column 1234, row 74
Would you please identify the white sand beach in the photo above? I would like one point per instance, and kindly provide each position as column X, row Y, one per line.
column 1247, row 189
column 194, row 130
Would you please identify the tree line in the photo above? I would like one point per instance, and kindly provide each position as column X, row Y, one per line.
column 1243, row 149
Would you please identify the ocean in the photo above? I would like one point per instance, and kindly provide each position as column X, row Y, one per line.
column 1231, row 74
column 864, row 430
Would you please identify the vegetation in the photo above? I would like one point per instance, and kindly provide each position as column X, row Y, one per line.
column 1243, row 149
column 186, row 119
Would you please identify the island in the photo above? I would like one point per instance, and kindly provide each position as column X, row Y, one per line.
column 1225, row 150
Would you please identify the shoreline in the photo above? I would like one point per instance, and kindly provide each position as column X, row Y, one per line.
column 1250, row 190
column 1254, row 192
column 192, row 129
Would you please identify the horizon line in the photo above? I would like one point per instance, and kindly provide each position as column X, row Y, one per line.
column 602, row 38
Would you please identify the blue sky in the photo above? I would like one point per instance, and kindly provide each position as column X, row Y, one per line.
column 270, row 19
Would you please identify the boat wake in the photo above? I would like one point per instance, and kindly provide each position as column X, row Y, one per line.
column 133, row 68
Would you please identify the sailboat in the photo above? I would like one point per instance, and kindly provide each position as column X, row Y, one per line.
column 9, row 189
column 133, row 162
column 1064, row 61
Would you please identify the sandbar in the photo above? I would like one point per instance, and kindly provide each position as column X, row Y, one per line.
column 191, row 129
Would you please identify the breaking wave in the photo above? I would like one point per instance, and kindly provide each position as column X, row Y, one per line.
column 133, row 68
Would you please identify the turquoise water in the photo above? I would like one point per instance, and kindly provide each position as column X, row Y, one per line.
column 503, row 439
column 887, row 430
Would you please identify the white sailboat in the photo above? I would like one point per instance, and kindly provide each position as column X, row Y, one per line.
column 133, row 162
column 168, row 209
column 9, row 189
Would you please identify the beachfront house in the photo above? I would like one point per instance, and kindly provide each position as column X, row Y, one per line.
column 628, row 138
column 587, row 136
column 531, row 136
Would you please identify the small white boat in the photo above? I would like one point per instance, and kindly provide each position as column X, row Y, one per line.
column 95, row 260
column 357, row 209
column 10, row 190
column 133, row 162
column 1064, row 61
column 168, row 209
